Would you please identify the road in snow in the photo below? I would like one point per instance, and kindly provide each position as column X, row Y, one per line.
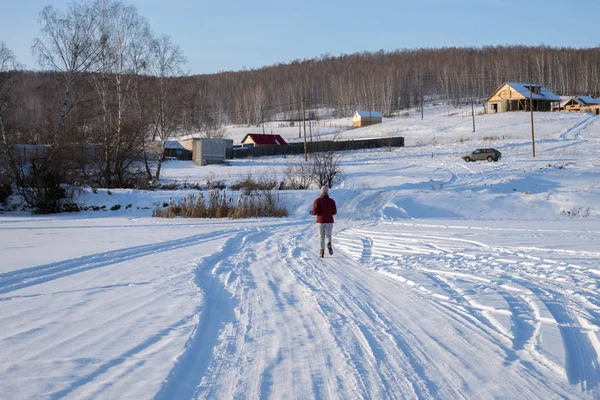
column 402, row 309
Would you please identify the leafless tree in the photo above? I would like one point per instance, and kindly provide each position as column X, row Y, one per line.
column 298, row 175
column 326, row 167
column 166, row 62
column 9, row 73
column 68, row 45
column 123, row 40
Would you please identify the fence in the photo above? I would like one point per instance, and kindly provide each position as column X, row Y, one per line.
column 314, row 147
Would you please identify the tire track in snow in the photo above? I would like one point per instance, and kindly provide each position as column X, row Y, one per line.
column 363, row 353
column 583, row 362
column 524, row 325
column 192, row 365
column 387, row 358
column 480, row 320
column 20, row 279
column 127, row 358
column 538, row 275
column 574, row 132
column 263, row 340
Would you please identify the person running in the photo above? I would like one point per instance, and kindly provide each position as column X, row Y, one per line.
column 324, row 208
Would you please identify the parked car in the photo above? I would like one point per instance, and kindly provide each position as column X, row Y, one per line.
column 483, row 154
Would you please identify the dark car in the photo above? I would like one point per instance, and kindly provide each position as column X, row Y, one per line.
column 483, row 154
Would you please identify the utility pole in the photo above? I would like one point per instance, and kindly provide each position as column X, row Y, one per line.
column 299, row 124
column 421, row 97
column 473, row 113
column 262, row 121
column 304, row 123
column 531, row 108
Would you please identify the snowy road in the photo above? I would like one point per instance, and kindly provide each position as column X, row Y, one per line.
column 339, row 328
column 401, row 310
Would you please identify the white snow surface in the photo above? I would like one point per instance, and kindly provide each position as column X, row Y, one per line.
column 449, row 280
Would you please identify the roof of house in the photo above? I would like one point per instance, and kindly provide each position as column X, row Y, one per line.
column 265, row 139
column 173, row 144
column 523, row 90
column 368, row 114
column 586, row 100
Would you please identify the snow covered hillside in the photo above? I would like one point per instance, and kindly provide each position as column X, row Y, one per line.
column 448, row 280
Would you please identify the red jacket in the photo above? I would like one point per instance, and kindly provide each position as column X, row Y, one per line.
column 324, row 209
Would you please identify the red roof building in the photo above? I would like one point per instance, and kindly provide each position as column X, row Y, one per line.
column 258, row 140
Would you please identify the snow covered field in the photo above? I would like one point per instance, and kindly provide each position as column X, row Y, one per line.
column 449, row 279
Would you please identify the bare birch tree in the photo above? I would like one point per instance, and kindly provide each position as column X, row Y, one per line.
column 68, row 45
column 166, row 62
column 123, row 40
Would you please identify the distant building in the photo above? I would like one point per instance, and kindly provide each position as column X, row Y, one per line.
column 583, row 104
column 210, row 151
column 512, row 96
column 175, row 150
column 366, row 118
column 258, row 140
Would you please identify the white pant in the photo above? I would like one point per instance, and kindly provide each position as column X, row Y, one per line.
column 325, row 230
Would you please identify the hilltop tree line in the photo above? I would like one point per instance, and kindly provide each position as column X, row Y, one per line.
column 111, row 94
column 384, row 81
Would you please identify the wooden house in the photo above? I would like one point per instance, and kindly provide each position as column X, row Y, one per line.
column 512, row 96
column 365, row 118
column 583, row 104
column 259, row 140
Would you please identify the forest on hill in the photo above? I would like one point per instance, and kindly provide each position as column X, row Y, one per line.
column 390, row 81
column 382, row 81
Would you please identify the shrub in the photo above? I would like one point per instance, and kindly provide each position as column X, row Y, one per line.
column 169, row 186
column 218, row 205
column 142, row 183
column 215, row 185
column 249, row 184
column 5, row 191
column 115, row 207
column 258, row 204
column 45, row 195
column 297, row 176
column 71, row 207
column 326, row 167
column 195, row 186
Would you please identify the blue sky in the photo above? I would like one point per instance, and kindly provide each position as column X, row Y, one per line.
column 232, row 35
